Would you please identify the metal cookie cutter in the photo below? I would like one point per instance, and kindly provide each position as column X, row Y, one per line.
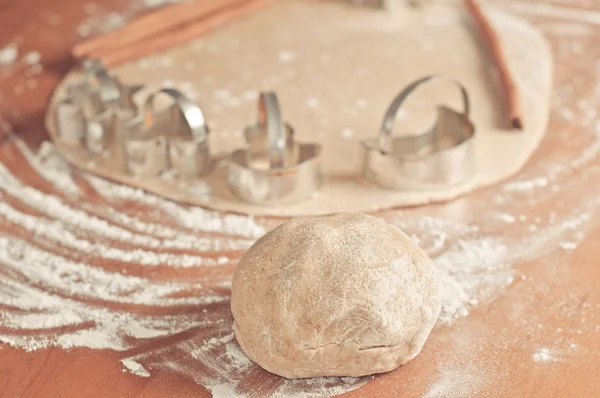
column 175, row 137
column 274, row 169
column 92, row 108
column 441, row 156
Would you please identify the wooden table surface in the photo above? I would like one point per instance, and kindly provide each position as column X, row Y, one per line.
column 537, row 337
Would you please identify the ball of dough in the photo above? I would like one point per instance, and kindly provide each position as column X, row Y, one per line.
column 335, row 295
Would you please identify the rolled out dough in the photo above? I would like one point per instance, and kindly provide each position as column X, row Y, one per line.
column 336, row 69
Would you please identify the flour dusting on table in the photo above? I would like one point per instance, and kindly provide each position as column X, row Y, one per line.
column 79, row 255
column 456, row 383
column 85, row 280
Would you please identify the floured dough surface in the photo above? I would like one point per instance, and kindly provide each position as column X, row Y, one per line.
column 335, row 295
column 336, row 69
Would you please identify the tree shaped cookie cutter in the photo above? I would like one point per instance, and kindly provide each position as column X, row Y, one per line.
column 174, row 138
column 274, row 169
column 442, row 156
column 93, row 107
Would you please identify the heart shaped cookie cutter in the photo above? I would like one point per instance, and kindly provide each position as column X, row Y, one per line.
column 442, row 156
column 175, row 137
column 274, row 169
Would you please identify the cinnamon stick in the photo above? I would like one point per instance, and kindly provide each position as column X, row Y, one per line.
column 162, row 20
column 494, row 47
column 183, row 34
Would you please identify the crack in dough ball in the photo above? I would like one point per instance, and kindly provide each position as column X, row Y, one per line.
column 335, row 295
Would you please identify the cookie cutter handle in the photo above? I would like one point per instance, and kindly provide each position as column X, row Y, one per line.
column 271, row 122
column 191, row 113
column 387, row 125
column 98, row 79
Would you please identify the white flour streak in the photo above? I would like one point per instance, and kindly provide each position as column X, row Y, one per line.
column 135, row 368
column 52, row 168
column 225, row 390
column 8, row 54
column 568, row 245
column 55, row 208
column 42, row 320
column 543, row 355
column 59, row 274
column 55, row 170
column 527, row 185
column 507, row 218
column 55, row 231
column 194, row 218
column 457, row 384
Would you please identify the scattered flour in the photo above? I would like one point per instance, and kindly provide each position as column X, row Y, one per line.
column 8, row 54
column 508, row 218
column 32, row 57
column 568, row 245
column 456, row 384
column 58, row 275
column 546, row 354
column 286, row 56
column 542, row 355
column 539, row 182
column 135, row 368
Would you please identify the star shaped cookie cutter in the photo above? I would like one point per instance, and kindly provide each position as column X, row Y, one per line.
column 274, row 169
column 442, row 156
